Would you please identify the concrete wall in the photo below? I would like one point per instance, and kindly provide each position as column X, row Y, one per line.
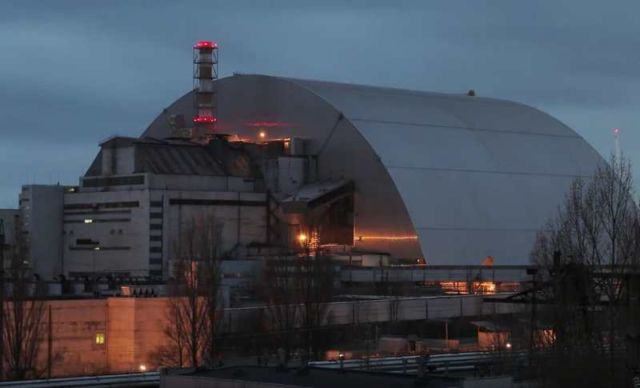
column 122, row 232
column 133, row 232
column 133, row 328
column 200, row 183
column 243, row 222
column 136, row 330
column 75, row 325
column 41, row 209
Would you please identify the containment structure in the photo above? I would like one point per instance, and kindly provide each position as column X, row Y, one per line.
column 449, row 178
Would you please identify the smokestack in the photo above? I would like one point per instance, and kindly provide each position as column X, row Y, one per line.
column 205, row 72
column 616, row 144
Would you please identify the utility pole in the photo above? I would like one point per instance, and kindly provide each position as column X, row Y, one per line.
column 2, row 240
column 532, row 333
column 49, row 344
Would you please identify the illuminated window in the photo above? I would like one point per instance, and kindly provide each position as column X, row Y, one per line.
column 88, row 221
column 100, row 338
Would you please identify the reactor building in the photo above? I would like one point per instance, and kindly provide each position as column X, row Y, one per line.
column 412, row 176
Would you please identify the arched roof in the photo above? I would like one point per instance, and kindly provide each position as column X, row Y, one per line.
column 478, row 176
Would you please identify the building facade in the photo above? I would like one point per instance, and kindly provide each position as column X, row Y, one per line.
column 126, row 217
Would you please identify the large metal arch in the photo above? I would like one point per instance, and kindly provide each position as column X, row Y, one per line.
column 469, row 176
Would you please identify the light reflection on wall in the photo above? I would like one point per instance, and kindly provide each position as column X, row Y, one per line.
column 386, row 238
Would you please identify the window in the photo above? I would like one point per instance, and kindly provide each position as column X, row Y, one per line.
column 113, row 181
column 100, row 338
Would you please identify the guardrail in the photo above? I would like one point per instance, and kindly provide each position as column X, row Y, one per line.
column 121, row 380
column 436, row 363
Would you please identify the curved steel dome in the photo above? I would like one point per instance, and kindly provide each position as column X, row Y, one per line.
column 451, row 178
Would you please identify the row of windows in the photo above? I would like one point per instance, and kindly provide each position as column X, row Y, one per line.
column 105, row 205
column 112, row 231
column 98, row 248
column 113, row 181
column 96, row 211
column 92, row 221
column 86, row 241
column 215, row 202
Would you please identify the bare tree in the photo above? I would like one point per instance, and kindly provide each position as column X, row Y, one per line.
column 23, row 318
column 316, row 284
column 588, row 249
column 193, row 307
column 297, row 289
column 279, row 289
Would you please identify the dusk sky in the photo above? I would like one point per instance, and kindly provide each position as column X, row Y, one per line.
column 73, row 73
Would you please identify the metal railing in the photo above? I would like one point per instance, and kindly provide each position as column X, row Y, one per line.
column 436, row 363
column 122, row 380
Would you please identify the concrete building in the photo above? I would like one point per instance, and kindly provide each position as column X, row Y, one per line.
column 126, row 216
column 41, row 207
column 9, row 229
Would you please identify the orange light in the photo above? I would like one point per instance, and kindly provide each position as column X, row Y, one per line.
column 387, row 238
column 142, row 368
column 477, row 287
column 484, row 287
column 302, row 237
column 262, row 134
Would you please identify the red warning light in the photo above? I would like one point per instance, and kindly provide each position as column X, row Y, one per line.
column 205, row 44
column 204, row 119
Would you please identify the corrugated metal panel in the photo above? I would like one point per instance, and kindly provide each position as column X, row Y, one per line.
column 478, row 176
column 191, row 160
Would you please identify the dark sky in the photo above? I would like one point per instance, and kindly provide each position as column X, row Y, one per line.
column 73, row 73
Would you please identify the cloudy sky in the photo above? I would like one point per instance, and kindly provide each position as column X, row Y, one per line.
column 73, row 73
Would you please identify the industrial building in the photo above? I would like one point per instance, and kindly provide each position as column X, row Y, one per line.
column 406, row 176
column 9, row 230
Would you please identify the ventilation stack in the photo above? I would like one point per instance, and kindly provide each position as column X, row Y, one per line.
column 205, row 72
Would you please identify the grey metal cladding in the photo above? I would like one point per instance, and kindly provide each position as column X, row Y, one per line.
column 477, row 176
